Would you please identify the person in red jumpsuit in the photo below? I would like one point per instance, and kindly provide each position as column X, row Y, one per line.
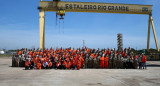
column 102, row 62
column 106, row 61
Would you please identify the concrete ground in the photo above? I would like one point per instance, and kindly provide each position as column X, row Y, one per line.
column 14, row 76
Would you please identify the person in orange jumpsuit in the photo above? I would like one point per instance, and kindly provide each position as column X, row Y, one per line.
column 68, row 64
column 102, row 62
column 41, row 53
column 39, row 65
column 43, row 59
column 38, row 59
column 30, row 53
column 19, row 52
column 64, row 64
column 74, row 63
column 144, row 61
column 106, row 61
column 34, row 60
column 78, row 64
column 47, row 59
column 50, row 65
column 27, row 63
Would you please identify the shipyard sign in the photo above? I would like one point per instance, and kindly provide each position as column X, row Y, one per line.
column 96, row 7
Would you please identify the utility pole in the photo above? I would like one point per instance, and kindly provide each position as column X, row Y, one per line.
column 83, row 44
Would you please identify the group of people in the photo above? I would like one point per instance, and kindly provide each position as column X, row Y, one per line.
column 81, row 58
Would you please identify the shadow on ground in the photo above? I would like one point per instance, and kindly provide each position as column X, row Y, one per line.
column 153, row 65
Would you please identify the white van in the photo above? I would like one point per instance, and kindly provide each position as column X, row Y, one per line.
column 1, row 52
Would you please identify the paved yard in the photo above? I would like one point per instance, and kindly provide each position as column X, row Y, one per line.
column 13, row 76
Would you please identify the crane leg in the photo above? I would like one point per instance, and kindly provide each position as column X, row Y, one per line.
column 154, row 32
column 42, row 28
column 148, row 38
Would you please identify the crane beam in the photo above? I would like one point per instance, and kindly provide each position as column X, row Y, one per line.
column 95, row 7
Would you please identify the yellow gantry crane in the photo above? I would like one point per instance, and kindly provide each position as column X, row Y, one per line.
column 61, row 7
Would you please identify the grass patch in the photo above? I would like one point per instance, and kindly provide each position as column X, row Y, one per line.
column 6, row 55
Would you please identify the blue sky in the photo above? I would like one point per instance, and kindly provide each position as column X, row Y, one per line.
column 19, row 26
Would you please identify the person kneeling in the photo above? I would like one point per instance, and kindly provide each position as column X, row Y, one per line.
column 50, row 65
column 27, row 63
column 31, row 64
column 45, row 65
column 58, row 65
column 39, row 65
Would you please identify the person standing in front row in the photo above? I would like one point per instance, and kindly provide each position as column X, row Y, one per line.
column 140, row 61
column 144, row 61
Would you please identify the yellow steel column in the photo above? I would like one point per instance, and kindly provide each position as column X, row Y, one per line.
column 154, row 32
column 42, row 28
column 148, row 38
